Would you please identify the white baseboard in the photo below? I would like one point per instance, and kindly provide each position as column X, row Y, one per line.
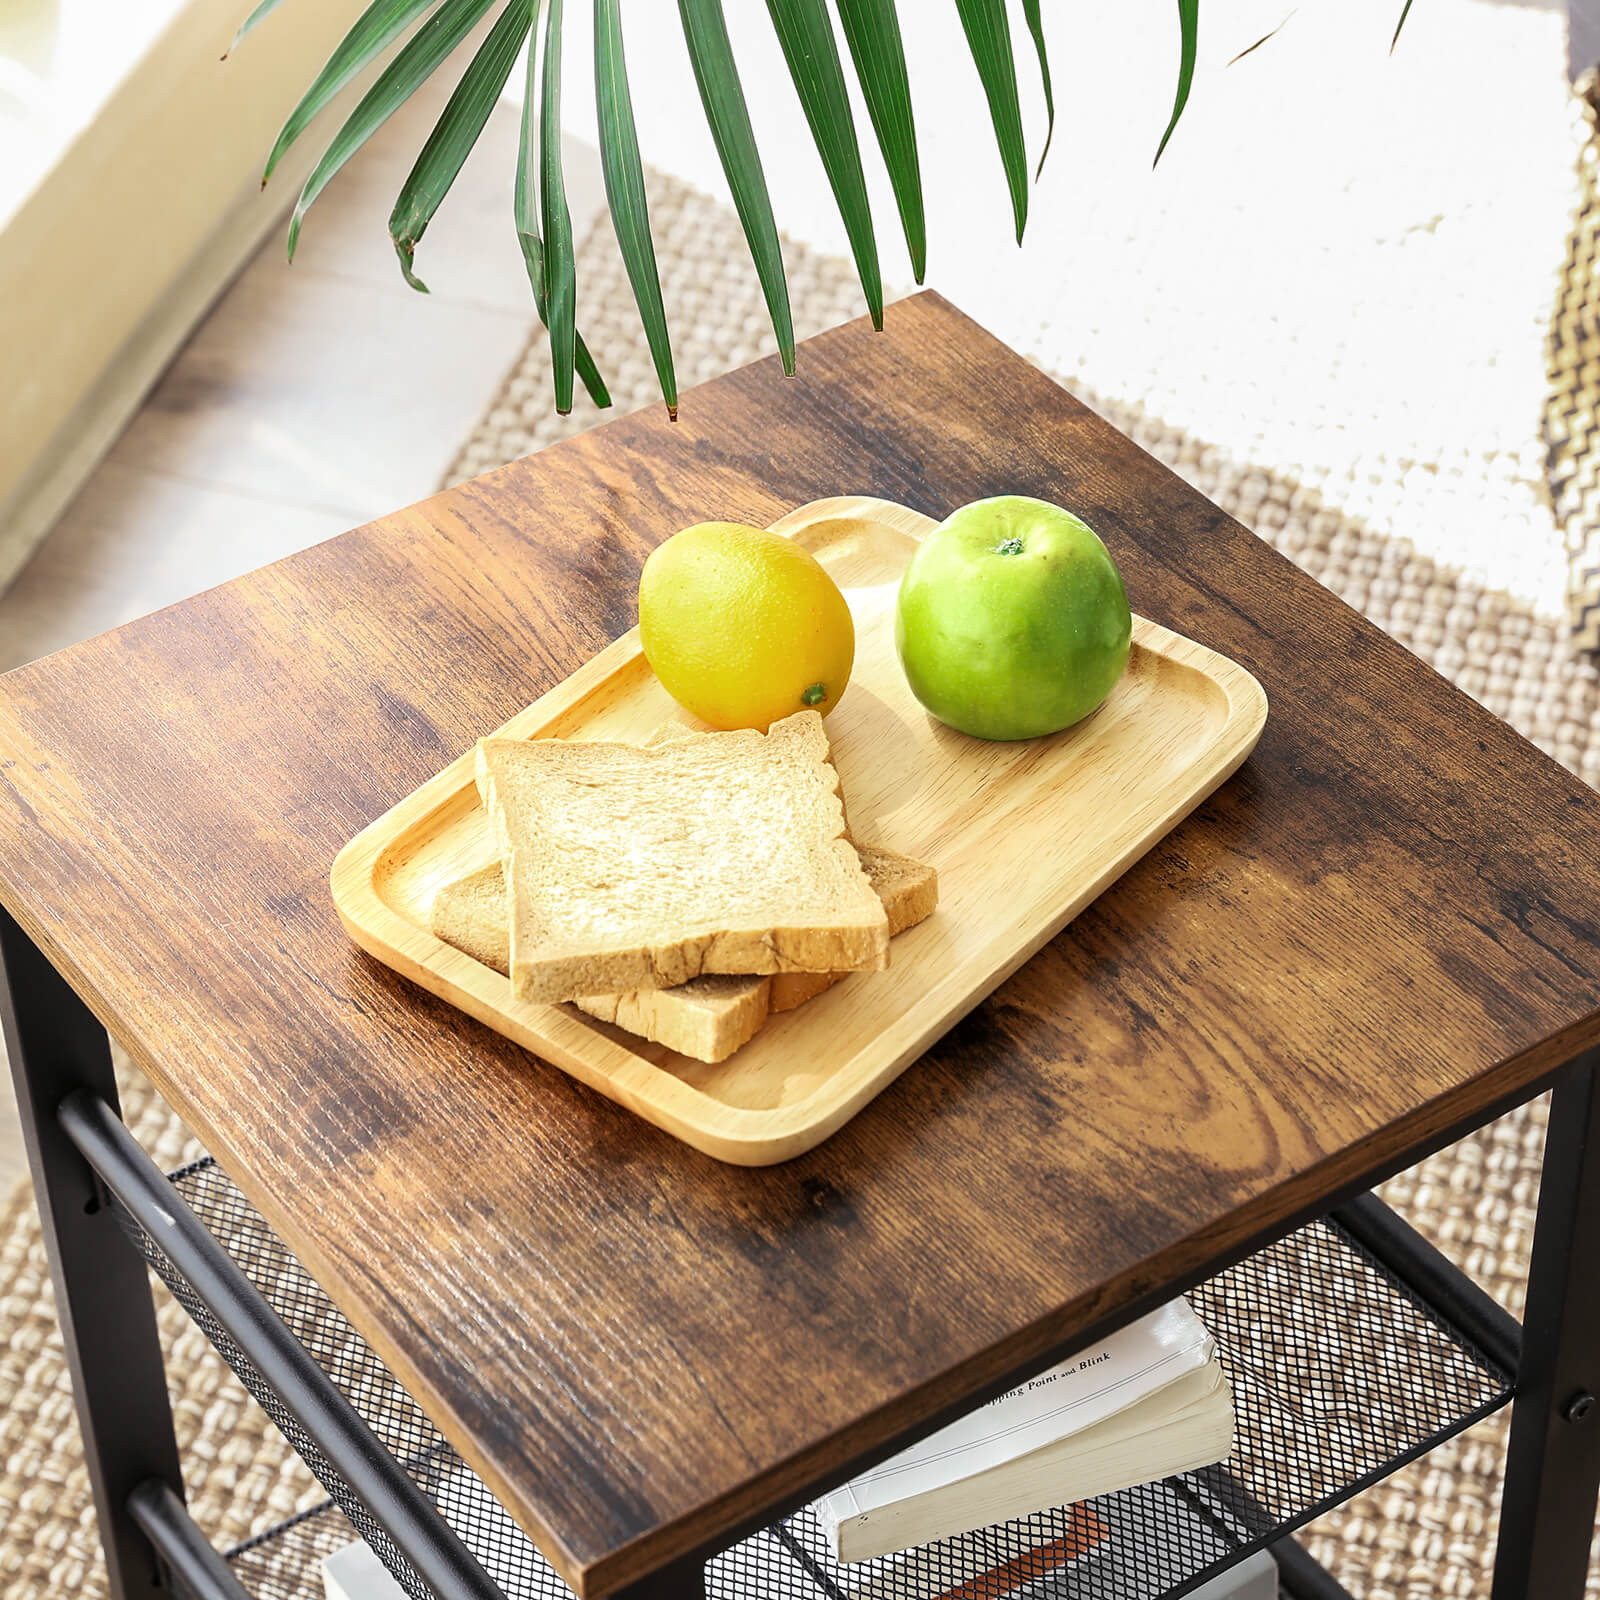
column 79, row 446
column 136, row 205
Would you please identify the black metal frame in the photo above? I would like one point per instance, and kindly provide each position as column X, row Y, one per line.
column 1547, row 1513
column 1391, row 1241
column 183, row 1549
column 1301, row 1577
column 684, row 1581
column 108, row 1321
column 77, row 1142
column 420, row 1534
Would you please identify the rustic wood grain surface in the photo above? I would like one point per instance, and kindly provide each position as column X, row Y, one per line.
column 1384, row 925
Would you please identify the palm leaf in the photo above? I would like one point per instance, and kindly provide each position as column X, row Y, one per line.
column 260, row 14
column 1030, row 10
column 409, row 70
column 1189, row 22
column 624, row 174
column 808, row 46
column 590, row 373
column 560, row 268
column 872, row 30
column 370, row 34
column 525, row 208
column 705, row 31
column 1399, row 25
column 989, row 38
column 1250, row 49
column 533, row 260
column 525, row 196
column 455, row 133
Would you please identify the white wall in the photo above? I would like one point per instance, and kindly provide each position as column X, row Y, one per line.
column 1115, row 68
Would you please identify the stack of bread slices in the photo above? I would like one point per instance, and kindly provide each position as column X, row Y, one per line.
column 683, row 890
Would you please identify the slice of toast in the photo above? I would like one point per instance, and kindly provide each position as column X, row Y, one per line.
column 909, row 890
column 708, row 1017
column 632, row 868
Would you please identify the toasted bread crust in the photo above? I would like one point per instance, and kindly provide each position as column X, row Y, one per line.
column 909, row 890
column 632, row 868
column 708, row 1017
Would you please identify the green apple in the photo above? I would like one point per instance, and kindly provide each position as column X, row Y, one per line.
column 1012, row 621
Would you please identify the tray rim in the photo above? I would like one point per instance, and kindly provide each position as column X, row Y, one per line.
column 745, row 1136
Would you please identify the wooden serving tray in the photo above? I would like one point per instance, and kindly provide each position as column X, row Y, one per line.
column 1023, row 836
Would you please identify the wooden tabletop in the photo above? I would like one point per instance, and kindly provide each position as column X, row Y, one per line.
column 1386, row 924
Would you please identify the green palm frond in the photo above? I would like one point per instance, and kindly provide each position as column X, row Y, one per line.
column 705, row 30
column 525, row 213
column 624, row 174
column 1406, row 12
column 370, row 35
column 421, row 57
column 260, row 14
column 560, row 265
column 1030, row 13
column 806, row 36
column 989, row 38
column 1189, row 23
column 455, row 133
column 804, row 29
column 872, row 30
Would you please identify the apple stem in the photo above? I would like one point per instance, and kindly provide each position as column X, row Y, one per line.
column 1009, row 547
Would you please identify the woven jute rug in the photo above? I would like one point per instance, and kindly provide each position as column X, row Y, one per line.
column 1425, row 1533
column 1572, row 411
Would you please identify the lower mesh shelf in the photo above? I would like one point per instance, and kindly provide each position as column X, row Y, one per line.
column 1340, row 1374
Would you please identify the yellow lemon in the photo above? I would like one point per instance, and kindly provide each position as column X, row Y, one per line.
column 743, row 627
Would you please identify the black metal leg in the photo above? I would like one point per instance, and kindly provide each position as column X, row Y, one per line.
column 1300, row 1577
column 1547, row 1511
column 198, row 1569
column 102, row 1293
column 280, row 1363
column 686, row 1580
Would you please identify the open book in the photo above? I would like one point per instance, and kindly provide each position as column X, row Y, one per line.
column 1148, row 1402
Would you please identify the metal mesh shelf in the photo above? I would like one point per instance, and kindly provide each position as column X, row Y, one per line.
column 1340, row 1375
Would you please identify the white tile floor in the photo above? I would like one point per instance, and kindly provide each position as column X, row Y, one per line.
column 312, row 398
